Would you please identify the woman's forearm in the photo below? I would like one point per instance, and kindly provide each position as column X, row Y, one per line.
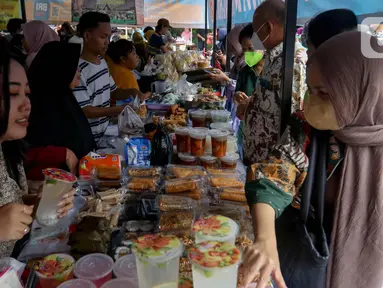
column 263, row 222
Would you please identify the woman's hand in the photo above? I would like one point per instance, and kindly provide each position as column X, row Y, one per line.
column 221, row 57
column 14, row 221
column 220, row 76
column 65, row 204
column 240, row 97
column 262, row 258
column 71, row 161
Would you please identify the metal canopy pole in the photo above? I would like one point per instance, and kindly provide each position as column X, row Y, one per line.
column 23, row 13
column 214, row 29
column 229, row 24
column 288, row 61
column 206, row 7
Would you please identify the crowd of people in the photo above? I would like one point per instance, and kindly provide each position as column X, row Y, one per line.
column 54, row 110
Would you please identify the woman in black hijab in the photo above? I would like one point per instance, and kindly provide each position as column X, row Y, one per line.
column 57, row 124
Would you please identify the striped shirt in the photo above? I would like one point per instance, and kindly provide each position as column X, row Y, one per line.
column 94, row 90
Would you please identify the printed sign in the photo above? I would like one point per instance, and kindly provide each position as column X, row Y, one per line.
column 49, row 11
column 8, row 9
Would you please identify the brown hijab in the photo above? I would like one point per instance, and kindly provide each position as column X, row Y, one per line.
column 355, row 85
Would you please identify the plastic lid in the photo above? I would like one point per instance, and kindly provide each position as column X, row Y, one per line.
column 54, row 265
column 230, row 157
column 186, row 157
column 198, row 113
column 125, row 267
column 221, row 126
column 221, row 113
column 198, row 134
column 93, row 266
column 181, row 130
column 214, row 254
column 203, row 129
column 59, row 174
column 120, row 283
column 77, row 283
column 208, row 158
column 218, row 133
column 232, row 138
column 215, row 226
column 157, row 248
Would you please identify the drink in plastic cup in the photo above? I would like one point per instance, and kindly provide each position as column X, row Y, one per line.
column 95, row 267
column 119, row 283
column 208, row 161
column 198, row 140
column 218, row 142
column 57, row 182
column 157, row 260
column 187, row 159
column 77, row 283
column 126, row 268
column 54, row 270
column 215, row 264
column 183, row 139
column 215, row 228
column 230, row 161
column 198, row 118
column 220, row 116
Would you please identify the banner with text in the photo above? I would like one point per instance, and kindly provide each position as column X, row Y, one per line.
column 122, row 12
column 8, row 9
column 49, row 11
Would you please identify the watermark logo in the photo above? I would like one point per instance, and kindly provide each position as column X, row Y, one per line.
column 367, row 50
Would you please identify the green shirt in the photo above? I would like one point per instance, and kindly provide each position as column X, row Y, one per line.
column 246, row 80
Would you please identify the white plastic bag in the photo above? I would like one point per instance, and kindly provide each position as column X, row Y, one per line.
column 129, row 123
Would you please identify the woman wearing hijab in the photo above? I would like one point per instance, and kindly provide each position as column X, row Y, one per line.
column 36, row 35
column 59, row 133
column 348, row 104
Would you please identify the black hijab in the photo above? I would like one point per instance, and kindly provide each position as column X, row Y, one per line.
column 56, row 118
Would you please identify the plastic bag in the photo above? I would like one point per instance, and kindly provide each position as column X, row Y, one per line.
column 129, row 122
column 162, row 148
column 9, row 279
column 138, row 152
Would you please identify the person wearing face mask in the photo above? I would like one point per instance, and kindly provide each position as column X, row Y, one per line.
column 66, row 32
column 58, row 134
column 262, row 110
column 349, row 105
column 16, row 206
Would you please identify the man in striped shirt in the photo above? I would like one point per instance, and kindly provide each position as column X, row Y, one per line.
column 97, row 86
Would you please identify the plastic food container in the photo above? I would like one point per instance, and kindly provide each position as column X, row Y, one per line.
column 187, row 159
column 57, row 182
column 183, row 139
column 222, row 126
column 215, row 228
column 229, row 161
column 77, row 283
column 54, row 270
column 231, row 146
column 174, row 203
column 215, row 264
column 120, row 283
column 126, row 268
column 222, row 116
column 198, row 118
column 198, row 141
column 208, row 161
column 218, row 142
column 157, row 259
column 206, row 142
column 95, row 267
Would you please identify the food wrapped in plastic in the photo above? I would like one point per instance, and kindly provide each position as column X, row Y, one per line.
column 188, row 184
column 139, row 171
column 232, row 194
column 231, row 211
column 180, row 171
column 143, row 184
column 171, row 203
column 177, row 220
column 223, row 172
column 226, row 181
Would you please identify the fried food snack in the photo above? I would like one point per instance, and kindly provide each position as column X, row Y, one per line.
column 180, row 185
column 182, row 172
column 193, row 194
column 143, row 172
column 142, row 184
column 233, row 197
column 176, row 220
column 220, row 171
column 221, row 181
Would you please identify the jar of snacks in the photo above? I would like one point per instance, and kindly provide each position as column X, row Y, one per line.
column 218, row 142
column 182, row 139
column 229, row 161
column 187, row 159
column 197, row 140
column 198, row 118
column 208, row 161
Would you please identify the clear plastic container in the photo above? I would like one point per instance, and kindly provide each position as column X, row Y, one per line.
column 221, row 116
column 215, row 228
column 120, row 283
column 208, row 161
column 187, row 159
column 222, row 126
column 219, row 270
column 232, row 146
column 198, row 141
column 182, row 171
column 229, row 161
column 218, row 142
column 95, row 267
column 157, row 259
column 77, row 283
column 168, row 203
column 126, row 268
column 182, row 139
column 57, row 182
column 205, row 142
column 63, row 270
column 198, row 118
